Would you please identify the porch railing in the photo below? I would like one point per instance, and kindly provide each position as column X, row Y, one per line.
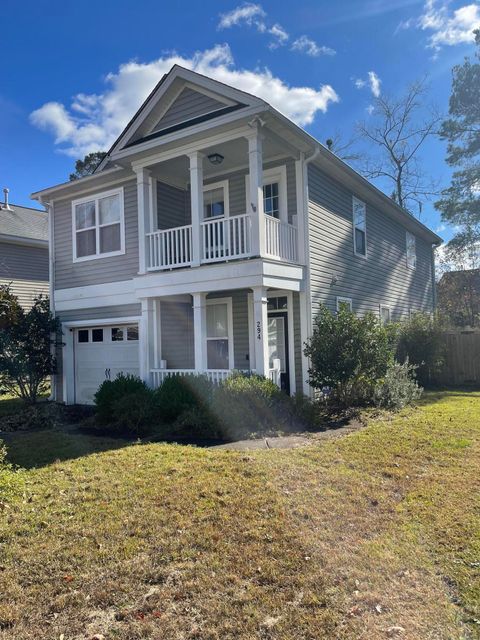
column 225, row 238
column 170, row 248
column 281, row 239
column 214, row 375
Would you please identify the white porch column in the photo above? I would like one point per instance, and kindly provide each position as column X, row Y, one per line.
column 260, row 328
column 147, row 339
column 196, row 187
column 255, row 205
column 144, row 215
column 200, row 331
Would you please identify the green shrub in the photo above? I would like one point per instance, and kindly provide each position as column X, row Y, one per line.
column 422, row 341
column 348, row 354
column 111, row 392
column 247, row 405
column 11, row 480
column 178, row 394
column 134, row 413
column 197, row 423
column 398, row 388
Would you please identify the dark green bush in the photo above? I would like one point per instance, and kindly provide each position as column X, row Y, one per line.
column 197, row 423
column 178, row 394
column 248, row 405
column 398, row 388
column 348, row 354
column 111, row 392
column 422, row 341
column 134, row 413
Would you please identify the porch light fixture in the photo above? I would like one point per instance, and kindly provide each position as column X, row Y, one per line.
column 215, row 158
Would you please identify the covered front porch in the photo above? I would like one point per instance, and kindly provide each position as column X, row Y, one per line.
column 253, row 330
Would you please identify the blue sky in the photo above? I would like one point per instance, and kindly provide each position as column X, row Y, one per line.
column 73, row 73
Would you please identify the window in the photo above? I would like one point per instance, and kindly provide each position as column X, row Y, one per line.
column 98, row 229
column 274, row 193
column 215, row 200
column 218, row 335
column 359, row 227
column 120, row 334
column 411, row 250
column 271, row 200
column 384, row 314
column 132, row 333
column 117, row 334
column 97, row 335
column 277, row 303
column 344, row 301
column 83, row 335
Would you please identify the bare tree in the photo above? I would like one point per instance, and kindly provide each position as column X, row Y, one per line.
column 398, row 128
column 344, row 149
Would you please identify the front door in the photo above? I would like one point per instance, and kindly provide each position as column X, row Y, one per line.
column 278, row 346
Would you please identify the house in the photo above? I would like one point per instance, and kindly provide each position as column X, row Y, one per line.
column 208, row 237
column 23, row 251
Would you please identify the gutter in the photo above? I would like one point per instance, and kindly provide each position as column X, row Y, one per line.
column 27, row 242
column 51, row 282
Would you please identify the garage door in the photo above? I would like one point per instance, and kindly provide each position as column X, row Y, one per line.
column 100, row 354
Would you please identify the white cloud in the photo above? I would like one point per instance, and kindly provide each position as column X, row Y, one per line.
column 280, row 35
column 304, row 44
column 254, row 15
column 370, row 109
column 372, row 81
column 94, row 121
column 247, row 13
column 447, row 28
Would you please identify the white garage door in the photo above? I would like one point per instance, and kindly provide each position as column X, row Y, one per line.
column 100, row 354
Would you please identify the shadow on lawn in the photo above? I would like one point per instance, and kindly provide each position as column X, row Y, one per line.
column 29, row 449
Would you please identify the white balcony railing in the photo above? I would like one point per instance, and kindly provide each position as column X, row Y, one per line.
column 170, row 248
column 226, row 238
column 281, row 240
column 220, row 240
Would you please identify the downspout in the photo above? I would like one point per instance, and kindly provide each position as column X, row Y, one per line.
column 434, row 281
column 51, row 281
column 306, row 240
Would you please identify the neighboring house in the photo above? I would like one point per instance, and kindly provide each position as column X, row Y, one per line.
column 459, row 297
column 208, row 237
column 23, row 251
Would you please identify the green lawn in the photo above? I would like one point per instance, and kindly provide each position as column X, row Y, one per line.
column 370, row 536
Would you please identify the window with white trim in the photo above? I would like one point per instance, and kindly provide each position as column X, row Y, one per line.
column 384, row 314
column 359, row 227
column 215, row 200
column 347, row 302
column 218, row 336
column 411, row 244
column 275, row 202
column 98, row 226
column 271, row 199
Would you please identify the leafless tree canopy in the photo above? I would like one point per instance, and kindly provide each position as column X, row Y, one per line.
column 396, row 131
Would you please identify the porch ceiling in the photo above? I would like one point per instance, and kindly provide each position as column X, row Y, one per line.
column 234, row 152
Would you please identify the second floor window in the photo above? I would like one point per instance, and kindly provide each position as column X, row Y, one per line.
column 271, row 199
column 359, row 227
column 411, row 250
column 98, row 226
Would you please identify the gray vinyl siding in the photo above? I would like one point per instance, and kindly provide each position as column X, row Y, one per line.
column 100, row 270
column 383, row 277
column 96, row 313
column 18, row 262
column 25, row 269
column 177, row 345
column 189, row 104
column 173, row 206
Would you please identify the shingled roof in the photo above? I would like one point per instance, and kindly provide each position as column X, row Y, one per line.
column 24, row 222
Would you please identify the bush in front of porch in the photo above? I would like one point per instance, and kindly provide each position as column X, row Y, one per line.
column 190, row 406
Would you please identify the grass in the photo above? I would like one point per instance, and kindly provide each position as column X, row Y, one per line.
column 370, row 536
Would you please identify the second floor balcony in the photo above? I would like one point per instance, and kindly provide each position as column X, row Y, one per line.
column 221, row 240
column 195, row 211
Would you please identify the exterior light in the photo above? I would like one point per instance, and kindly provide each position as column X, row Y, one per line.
column 215, row 158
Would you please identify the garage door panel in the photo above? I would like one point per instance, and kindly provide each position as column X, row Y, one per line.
column 98, row 361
